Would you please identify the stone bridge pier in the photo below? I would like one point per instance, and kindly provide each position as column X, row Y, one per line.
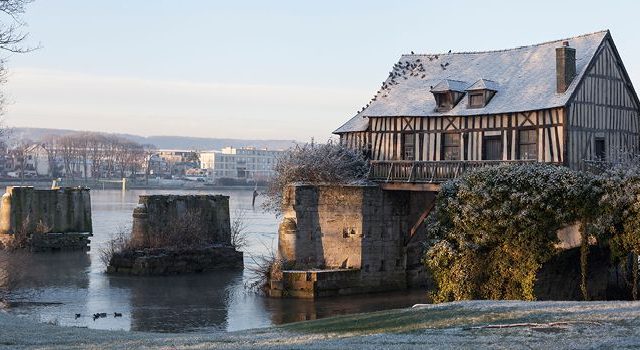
column 350, row 239
column 48, row 220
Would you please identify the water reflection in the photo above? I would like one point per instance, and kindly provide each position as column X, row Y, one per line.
column 56, row 287
column 67, row 270
column 178, row 303
column 295, row 310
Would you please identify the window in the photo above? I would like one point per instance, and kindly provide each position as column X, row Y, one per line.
column 527, row 144
column 600, row 151
column 408, row 142
column 492, row 147
column 450, row 146
column 476, row 100
column 443, row 100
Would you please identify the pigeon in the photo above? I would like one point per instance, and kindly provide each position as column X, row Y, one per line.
column 78, row 316
column 446, row 64
column 412, row 53
column 96, row 316
column 117, row 314
column 443, row 66
column 449, row 51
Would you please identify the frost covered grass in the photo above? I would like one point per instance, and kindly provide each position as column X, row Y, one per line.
column 469, row 324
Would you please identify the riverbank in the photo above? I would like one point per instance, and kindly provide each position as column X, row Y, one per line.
column 131, row 185
column 473, row 324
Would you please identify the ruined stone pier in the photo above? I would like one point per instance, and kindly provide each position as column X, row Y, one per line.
column 47, row 220
column 160, row 222
column 340, row 240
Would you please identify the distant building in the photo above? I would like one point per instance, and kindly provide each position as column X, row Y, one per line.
column 247, row 163
column 176, row 162
column 36, row 160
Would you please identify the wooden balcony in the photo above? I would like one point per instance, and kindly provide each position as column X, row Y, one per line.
column 428, row 172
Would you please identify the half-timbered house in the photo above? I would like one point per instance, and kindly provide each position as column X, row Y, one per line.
column 568, row 102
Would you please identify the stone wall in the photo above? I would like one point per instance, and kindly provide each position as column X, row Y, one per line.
column 168, row 261
column 46, row 220
column 59, row 210
column 334, row 229
column 209, row 214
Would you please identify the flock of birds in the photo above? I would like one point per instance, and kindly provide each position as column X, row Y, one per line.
column 403, row 70
column 101, row 315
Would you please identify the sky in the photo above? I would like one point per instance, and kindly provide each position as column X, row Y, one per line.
column 259, row 69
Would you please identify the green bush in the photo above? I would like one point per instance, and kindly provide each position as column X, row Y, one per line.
column 493, row 228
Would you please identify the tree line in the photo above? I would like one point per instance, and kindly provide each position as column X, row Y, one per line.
column 101, row 155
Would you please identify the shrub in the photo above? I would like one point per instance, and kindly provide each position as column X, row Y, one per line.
column 265, row 268
column 20, row 238
column 618, row 226
column 239, row 230
column 494, row 227
column 120, row 242
column 329, row 163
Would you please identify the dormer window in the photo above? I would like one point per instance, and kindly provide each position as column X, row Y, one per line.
column 443, row 101
column 476, row 100
column 481, row 92
column 447, row 94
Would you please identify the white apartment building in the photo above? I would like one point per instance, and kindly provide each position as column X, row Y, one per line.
column 239, row 163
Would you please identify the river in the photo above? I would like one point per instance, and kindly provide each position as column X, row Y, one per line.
column 54, row 287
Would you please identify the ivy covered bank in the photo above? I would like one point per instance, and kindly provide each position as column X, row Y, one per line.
column 493, row 229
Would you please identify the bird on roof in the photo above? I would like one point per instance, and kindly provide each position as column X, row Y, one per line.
column 446, row 64
column 449, row 51
column 412, row 53
column 443, row 66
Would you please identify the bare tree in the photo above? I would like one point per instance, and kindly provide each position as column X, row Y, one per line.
column 97, row 155
column 20, row 153
column 11, row 34
column 149, row 151
column 11, row 39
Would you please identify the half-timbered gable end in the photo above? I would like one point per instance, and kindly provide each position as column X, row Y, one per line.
column 567, row 102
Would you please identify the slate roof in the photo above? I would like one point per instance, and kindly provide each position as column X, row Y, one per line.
column 525, row 79
column 484, row 84
column 448, row 84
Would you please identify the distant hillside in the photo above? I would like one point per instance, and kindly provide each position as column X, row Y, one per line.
column 161, row 142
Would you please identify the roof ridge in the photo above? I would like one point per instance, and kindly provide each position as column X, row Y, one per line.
column 504, row 50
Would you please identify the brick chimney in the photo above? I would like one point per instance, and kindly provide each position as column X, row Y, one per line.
column 565, row 66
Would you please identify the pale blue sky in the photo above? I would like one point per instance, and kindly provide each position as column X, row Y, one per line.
column 258, row 69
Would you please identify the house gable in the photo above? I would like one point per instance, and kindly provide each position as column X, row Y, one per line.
column 603, row 112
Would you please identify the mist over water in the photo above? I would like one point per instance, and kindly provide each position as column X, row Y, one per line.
column 57, row 286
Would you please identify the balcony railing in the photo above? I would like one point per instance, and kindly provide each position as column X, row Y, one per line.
column 429, row 171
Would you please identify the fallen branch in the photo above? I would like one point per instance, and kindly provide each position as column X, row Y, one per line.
column 528, row 324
